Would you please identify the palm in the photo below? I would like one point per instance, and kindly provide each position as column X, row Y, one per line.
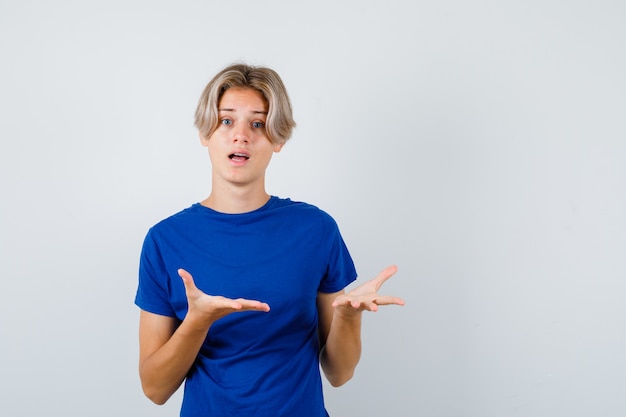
column 214, row 307
column 366, row 297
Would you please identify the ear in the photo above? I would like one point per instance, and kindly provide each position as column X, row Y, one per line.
column 204, row 141
column 278, row 147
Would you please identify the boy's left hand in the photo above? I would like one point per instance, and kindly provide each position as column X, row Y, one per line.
column 365, row 297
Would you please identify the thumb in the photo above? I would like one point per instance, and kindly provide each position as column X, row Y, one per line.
column 190, row 285
column 386, row 273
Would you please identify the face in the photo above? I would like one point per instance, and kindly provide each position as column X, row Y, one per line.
column 239, row 148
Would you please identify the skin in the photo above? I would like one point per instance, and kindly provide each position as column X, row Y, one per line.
column 239, row 187
column 167, row 350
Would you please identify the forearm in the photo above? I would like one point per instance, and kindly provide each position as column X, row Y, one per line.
column 165, row 369
column 342, row 351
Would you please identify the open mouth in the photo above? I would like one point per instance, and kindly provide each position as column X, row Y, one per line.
column 239, row 157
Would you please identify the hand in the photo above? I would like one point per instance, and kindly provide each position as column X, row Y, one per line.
column 366, row 297
column 214, row 307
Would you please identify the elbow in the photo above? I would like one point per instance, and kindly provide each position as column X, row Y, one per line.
column 158, row 400
column 153, row 389
column 338, row 380
column 336, row 383
column 155, row 393
column 338, row 372
column 156, row 396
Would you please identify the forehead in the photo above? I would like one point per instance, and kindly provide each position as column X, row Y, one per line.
column 236, row 98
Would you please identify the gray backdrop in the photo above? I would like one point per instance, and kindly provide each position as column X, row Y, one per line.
column 478, row 145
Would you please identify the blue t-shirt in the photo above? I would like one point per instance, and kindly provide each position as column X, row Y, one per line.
column 284, row 253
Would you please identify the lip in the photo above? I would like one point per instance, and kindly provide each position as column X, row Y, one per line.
column 240, row 152
column 239, row 157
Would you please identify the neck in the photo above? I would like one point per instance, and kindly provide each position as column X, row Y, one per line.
column 236, row 201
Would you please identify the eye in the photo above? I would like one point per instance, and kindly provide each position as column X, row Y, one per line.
column 226, row 122
column 258, row 125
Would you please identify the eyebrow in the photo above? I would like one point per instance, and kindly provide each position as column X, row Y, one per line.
column 253, row 111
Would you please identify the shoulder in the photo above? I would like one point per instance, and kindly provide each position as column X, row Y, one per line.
column 183, row 216
column 175, row 226
column 302, row 210
column 297, row 206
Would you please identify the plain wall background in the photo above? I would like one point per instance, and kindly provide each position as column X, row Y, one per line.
column 481, row 146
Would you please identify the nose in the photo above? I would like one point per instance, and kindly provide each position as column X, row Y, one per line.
column 241, row 135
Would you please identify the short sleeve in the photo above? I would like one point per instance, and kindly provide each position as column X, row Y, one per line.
column 153, row 289
column 340, row 268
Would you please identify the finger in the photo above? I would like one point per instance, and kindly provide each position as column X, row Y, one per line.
column 383, row 300
column 188, row 281
column 342, row 300
column 354, row 303
column 384, row 275
column 345, row 300
column 387, row 273
column 253, row 305
column 365, row 305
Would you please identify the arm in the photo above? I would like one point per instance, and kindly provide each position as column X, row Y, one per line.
column 340, row 325
column 167, row 351
column 340, row 337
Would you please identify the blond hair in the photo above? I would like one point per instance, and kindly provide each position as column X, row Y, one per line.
column 279, row 123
